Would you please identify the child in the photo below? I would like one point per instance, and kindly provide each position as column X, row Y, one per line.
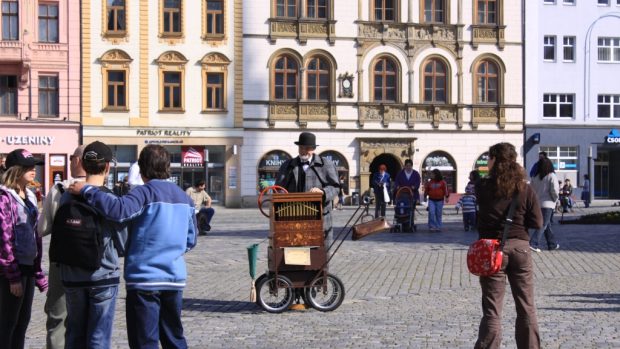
column 467, row 202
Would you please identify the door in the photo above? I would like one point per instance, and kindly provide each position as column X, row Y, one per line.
column 601, row 180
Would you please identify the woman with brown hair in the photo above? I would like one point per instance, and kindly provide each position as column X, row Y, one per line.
column 20, row 248
column 494, row 194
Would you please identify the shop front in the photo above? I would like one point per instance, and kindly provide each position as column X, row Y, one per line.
column 53, row 144
column 577, row 152
column 443, row 162
column 194, row 155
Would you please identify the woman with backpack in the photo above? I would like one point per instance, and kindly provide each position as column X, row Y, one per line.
column 20, row 248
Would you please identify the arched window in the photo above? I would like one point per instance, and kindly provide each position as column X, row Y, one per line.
column 318, row 79
column 435, row 81
column 487, row 82
column 385, row 74
column 285, row 79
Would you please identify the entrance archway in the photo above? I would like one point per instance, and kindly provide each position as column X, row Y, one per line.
column 443, row 162
column 390, row 161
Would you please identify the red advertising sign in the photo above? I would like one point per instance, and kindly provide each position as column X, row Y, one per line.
column 192, row 156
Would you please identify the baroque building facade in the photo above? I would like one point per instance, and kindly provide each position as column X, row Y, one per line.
column 573, row 99
column 39, row 83
column 166, row 72
column 379, row 82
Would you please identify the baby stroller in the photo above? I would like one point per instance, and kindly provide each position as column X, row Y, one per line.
column 404, row 208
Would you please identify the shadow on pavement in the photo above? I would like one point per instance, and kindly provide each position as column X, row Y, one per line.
column 219, row 306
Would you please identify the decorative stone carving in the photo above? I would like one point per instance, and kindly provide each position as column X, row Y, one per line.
column 370, row 31
column 171, row 57
column 115, row 56
column 215, row 58
column 487, row 34
column 489, row 115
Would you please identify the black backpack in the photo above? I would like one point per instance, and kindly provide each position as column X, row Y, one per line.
column 77, row 234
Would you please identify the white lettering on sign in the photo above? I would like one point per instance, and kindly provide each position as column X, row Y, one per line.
column 611, row 139
column 271, row 162
column 28, row 140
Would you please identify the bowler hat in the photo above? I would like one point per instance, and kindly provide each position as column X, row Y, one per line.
column 307, row 139
column 21, row 157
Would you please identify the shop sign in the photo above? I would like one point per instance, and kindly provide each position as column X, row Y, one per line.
column 273, row 160
column 613, row 137
column 27, row 140
column 192, row 156
column 336, row 159
column 57, row 160
column 163, row 132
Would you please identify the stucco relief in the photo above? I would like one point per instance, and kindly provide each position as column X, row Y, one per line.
column 490, row 115
column 370, row 31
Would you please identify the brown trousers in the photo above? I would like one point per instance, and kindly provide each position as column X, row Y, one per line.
column 518, row 268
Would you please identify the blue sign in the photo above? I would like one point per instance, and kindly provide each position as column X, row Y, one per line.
column 613, row 137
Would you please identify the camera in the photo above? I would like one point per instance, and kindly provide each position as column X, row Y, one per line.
column 366, row 199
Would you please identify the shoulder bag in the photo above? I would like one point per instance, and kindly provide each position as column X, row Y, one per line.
column 484, row 257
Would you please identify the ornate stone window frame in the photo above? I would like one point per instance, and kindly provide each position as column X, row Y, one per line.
column 371, row 78
column 115, row 60
column 114, row 36
column 171, row 61
column 448, row 79
column 217, row 36
column 171, row 38
column 488, row 113
column 302, row 27
column 331, row 70
column 215, row 63
column 483, row 33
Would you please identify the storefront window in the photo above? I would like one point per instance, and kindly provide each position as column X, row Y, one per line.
column 342, row 167
column 268, row 168
column 189, row 164
column 443, row 162
column 563, row 158
column 482, row 164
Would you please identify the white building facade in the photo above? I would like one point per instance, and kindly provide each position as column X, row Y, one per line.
column 163, row 72
column 380, row 82
column 572, row 91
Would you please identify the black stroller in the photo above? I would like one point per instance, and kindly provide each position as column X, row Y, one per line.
column 404, row 209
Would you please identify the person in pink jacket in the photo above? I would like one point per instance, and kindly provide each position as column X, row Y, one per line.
column 20, row 248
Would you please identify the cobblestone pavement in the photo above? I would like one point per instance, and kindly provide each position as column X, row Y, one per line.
column 402, row 291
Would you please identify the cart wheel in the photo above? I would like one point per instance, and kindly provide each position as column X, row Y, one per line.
column 275, row 296
column 328, row 298
column 270, row 189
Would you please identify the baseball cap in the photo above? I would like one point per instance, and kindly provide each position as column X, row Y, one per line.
column 21, row 157
column 98, row 151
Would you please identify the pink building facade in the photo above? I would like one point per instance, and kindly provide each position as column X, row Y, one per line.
column 40, row 82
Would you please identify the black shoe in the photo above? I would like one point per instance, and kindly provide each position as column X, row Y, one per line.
column 208, row 227
column 553, row 248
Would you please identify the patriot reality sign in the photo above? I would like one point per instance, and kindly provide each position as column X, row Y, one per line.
column 613, row 137
column 192, row 156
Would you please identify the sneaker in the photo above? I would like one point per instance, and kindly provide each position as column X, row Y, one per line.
column 553, row 248
column 535, row 249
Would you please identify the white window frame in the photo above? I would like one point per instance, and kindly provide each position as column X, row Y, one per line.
column 549, row 2
column 569, row 2
column 571, row 45
column 613, row 102
column 560, row 155
column 549, row 41
column 610, row 44
column 558, row 100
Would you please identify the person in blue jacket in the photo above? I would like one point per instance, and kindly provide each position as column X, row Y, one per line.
column 381, row 180
column 162, row 228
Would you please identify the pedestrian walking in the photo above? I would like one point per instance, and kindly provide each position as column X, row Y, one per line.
column 547, row 189
column 162, row 229
column 436, row 192
column 20, row 248
column 494, row 194
column 381, row 188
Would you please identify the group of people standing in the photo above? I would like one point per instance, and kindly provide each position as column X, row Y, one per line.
column 152, row 226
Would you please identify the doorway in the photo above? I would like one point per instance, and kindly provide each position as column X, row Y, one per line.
column 390, row 161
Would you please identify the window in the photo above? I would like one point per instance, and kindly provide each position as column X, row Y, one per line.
column 558, row 105
column 609, row 49
column 48, row 23
column 48, row 96
column 10, row 20
column 385, row 80
column 563, row 158
column 116, row 12
column 317, row 9
column 318, row 79
column 487, row 12
column 569, row 2
column 487, row 82
column 549, row 2
column 384, row 10
column 434, row 11
column 214, row 75
column 603, row 2
column 172, row 17
column 549, row 48
column 569, row 49
column 117, row 89
column 172, row 90
column 434, row 82
column 285, row 84
column 215, row 91
column 286, row 8
column 609, row 106
column 8, row 95
column 215, row 17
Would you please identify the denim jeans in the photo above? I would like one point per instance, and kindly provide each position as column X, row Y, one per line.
column 90, row 316
column 154, row 316
column 469, row 220
column 435, row 208
column 56, row 309
column 15, row 313
column 546, row 228
column 204, row 218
